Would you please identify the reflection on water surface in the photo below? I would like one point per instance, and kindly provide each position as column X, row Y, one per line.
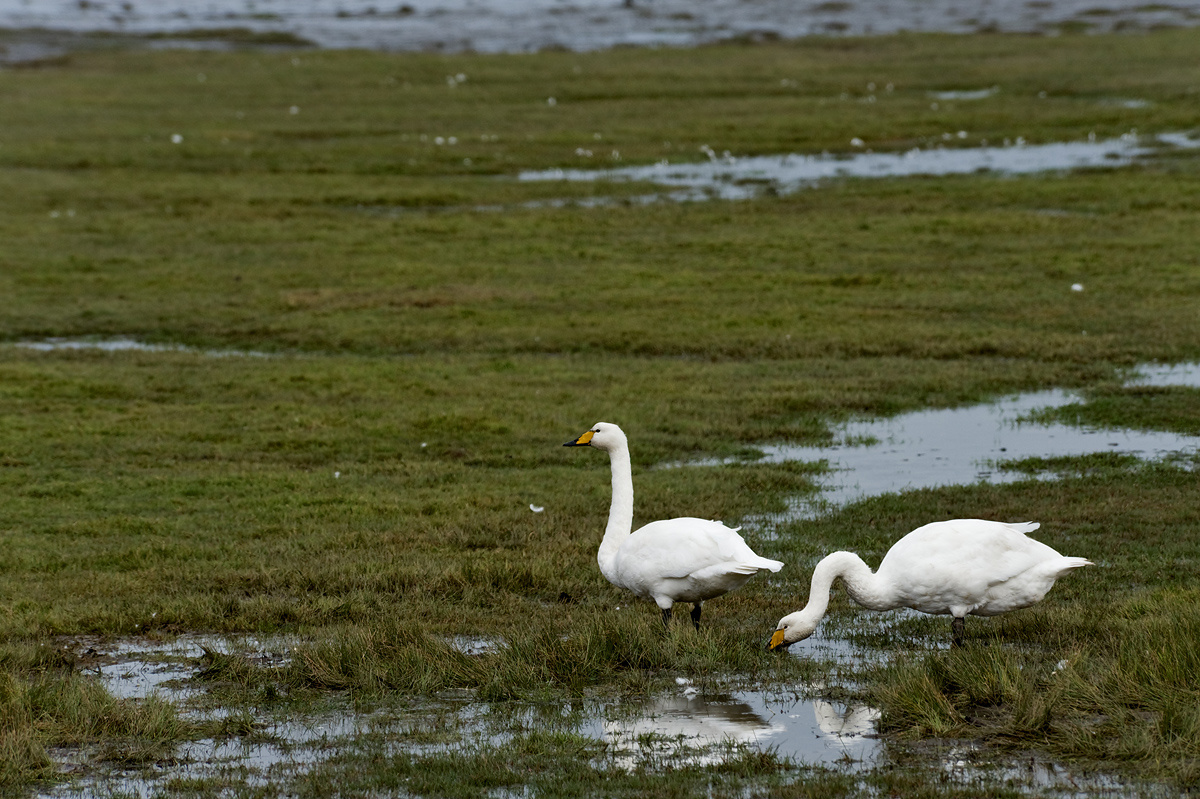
column 679, row 728
column 701, row 730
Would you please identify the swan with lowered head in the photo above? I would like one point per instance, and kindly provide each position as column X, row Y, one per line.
column 956, row 567
column 672, row 560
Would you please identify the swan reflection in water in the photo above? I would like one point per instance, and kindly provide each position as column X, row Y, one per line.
column 706, row 731
column 843, row 721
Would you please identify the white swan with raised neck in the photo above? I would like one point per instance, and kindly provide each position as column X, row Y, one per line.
column 673, row 560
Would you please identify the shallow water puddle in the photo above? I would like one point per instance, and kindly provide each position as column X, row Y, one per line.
column 141, row 668
column 687, row 726
column 126, row 345
column 970, row 763
column 136, row 668
column 700, row 730
column 959, row 446
column 1184, row 375
column 730, row 178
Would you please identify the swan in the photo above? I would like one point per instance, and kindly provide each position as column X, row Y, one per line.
column 954, row 567
column 672, row 560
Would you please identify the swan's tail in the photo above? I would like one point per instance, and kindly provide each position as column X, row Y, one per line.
column 1066, row 564
column 749, row 566
column 767, row 563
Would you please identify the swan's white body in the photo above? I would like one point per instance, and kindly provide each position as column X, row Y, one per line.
column 673, row 560
column 957, row 567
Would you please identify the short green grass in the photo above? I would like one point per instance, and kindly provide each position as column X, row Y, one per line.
column 1171, row 408
column 364, row 481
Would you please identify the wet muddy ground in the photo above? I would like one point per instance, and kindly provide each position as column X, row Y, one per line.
column 691, row 725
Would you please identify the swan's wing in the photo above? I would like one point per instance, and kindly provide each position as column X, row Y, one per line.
column 954, row 564
column 683, row 547
column 977, row 548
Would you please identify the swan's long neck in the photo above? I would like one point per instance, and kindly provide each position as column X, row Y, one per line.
column 872, row 591
column 620, row 513
column 863, row 586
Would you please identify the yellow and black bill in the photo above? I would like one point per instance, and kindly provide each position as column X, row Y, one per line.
column 582, row 441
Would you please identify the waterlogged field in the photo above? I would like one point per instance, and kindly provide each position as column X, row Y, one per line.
column 290, row 353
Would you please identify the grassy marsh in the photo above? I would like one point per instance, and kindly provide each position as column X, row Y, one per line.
column 365, row 485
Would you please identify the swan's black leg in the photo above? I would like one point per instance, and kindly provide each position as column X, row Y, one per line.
column 666, row 617
column 696, row 615
column 956, row 629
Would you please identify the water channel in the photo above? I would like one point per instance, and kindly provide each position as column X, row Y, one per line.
column 494, row 26
column 726, row 177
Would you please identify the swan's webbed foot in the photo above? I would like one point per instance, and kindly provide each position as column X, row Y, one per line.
column 666, row 613
column 696, row 615
column 957, row 627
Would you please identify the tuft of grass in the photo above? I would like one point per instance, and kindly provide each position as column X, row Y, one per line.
column 1127, row 695
column 228, row 669
column 915, row 703
column 49, row 707
column 385, row 656
column 598, row 648
column 1172, row 408
column 533, row 660
column 23, row 755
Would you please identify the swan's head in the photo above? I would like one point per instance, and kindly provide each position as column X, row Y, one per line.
column 792, row 628
column 603, row 435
